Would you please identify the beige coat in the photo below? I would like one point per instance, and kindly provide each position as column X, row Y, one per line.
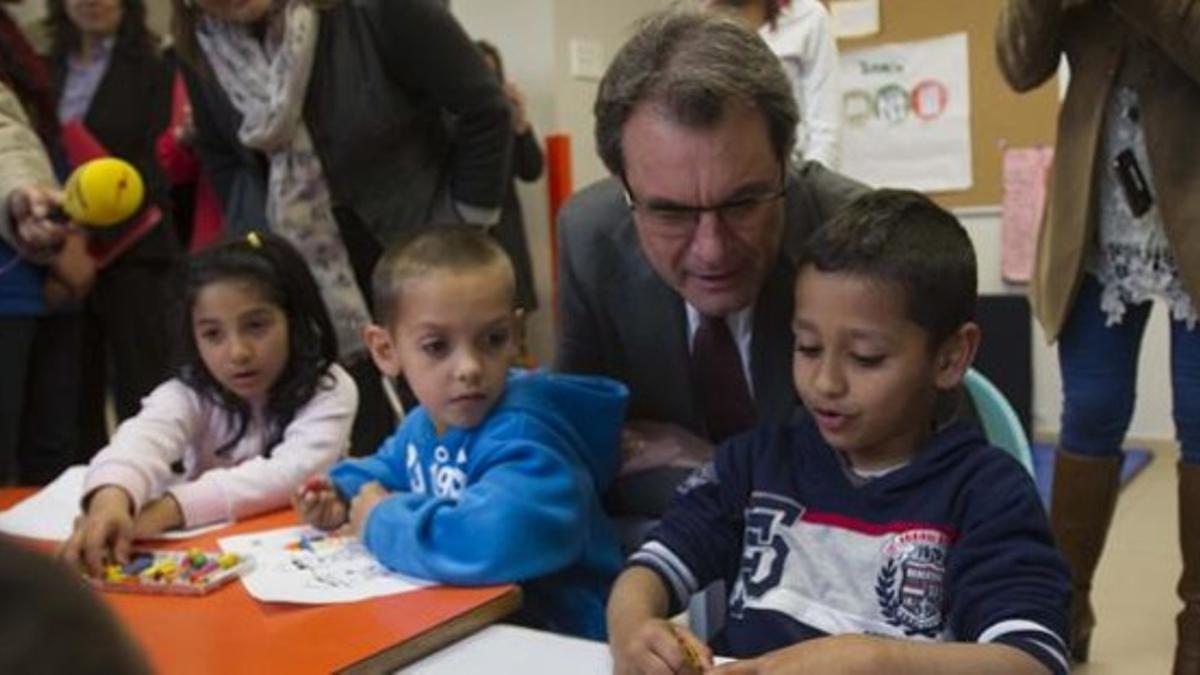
column 1030, row 36
column 23, row 160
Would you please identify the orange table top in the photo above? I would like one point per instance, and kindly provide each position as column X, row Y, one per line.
column 229, row 631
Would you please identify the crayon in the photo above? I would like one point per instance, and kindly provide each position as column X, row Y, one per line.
column 691, row 659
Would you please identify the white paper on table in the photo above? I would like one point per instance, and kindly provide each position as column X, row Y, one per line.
column 326, row 569
column 507, row 649
column 50, row 512
column 854, row 18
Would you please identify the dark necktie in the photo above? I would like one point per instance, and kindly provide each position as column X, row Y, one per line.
column 719, row 380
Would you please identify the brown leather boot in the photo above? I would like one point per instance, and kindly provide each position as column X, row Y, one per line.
column 1187, row 649
column 1082, row 502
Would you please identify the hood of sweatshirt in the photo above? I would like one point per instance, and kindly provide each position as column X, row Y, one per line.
column 585, row 411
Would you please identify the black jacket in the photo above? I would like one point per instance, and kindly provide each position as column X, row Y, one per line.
column 390, row 79
column 131, row 107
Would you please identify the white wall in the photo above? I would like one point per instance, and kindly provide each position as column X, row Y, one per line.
column 523, row 31
column 1152, row 417
column 534, row 38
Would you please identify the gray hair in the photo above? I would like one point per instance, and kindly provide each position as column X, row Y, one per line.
column 691, row 64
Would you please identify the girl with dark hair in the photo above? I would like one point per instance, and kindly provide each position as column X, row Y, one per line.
column 112, row 83
column 258, row 405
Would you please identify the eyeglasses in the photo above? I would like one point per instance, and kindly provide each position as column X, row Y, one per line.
column 684, row 219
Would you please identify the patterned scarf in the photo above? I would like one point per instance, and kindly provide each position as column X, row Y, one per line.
column 266, row 81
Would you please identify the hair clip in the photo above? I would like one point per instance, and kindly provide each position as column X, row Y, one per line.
column 254, row 240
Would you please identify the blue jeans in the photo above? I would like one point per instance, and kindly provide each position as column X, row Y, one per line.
column 1099, row 376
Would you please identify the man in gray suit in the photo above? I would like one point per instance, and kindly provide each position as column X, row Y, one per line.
column 696, row 227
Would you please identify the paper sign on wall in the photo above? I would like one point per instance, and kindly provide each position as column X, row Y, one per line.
column 1026, row 172
column 854, row 18
column 907, row 114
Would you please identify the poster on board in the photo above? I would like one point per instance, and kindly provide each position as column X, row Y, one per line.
column 907, row 109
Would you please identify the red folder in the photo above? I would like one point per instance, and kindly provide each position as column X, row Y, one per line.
column 81, row 146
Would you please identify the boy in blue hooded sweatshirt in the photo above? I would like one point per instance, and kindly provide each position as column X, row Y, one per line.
column 496, row 477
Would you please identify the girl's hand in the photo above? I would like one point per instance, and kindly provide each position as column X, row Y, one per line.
column 659, row 646
column 103, row 534
column 158, row 516
column 360, row 507
column 319, row 504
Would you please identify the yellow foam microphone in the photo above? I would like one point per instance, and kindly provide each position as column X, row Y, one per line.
column 102, row 192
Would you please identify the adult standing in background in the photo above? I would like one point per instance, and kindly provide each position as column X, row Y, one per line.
column 527, row 165
column 1122, row 228
column 111, row 79
column 675, row 274
column 327, row 121
column 40, row 395
column 800, row 34
column 36, row 402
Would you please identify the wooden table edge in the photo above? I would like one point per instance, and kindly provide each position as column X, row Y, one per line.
column 437, row 637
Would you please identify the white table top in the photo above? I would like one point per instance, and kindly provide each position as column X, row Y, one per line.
column 512, row 649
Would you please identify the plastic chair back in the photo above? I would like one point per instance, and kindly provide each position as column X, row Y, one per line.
column 1000, row 423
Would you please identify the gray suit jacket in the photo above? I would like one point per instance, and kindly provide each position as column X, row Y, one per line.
column 619, row 319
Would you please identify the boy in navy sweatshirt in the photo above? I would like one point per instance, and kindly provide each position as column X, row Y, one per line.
column 877, row 535
column 495, row 477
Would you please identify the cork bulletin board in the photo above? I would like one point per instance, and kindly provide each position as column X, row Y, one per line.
column 999, row 116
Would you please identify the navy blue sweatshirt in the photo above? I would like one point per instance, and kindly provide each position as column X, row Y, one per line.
column 954, row 546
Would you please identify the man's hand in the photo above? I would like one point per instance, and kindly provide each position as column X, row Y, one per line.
column 30, row 208
column 650, row 445
column 318, row 503
column 72, row 272
column 360, row 507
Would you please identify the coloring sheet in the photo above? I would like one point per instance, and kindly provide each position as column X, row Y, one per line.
column 305, row 565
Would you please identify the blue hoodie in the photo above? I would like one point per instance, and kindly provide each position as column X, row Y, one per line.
column 515, row 499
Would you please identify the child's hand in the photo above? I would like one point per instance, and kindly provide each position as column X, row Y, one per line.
column 833, row 654
column 360, row 507
column 158, row 516
column 659, row 646
column 319, row 503
column 103, row 534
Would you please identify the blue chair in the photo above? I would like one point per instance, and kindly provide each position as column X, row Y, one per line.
column 1000, row 423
